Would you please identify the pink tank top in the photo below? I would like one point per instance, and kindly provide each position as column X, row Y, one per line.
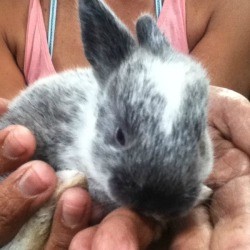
column 38, row 63
column 37, row 60
column 172, row 22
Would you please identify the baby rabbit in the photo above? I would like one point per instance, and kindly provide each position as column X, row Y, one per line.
column 134, row 124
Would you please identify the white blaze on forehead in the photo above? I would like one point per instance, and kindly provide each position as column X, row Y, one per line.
column 170, row 81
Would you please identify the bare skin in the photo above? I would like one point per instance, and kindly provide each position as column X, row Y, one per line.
column 213, row 31
column 211, row 38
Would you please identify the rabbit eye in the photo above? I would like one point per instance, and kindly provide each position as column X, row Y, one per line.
column 120, row 137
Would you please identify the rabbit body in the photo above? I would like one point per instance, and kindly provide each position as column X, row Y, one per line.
column 55, row 109
column 134, row 124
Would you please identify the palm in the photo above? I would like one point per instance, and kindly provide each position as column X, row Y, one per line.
column 230, row 204
column 229, row 161
column 229, row 123
column 229, row 126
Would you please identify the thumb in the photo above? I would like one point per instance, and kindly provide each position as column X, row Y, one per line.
column 21, row 194
column 17, row 145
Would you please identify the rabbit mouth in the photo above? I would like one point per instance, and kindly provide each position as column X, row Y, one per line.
column 99, row 211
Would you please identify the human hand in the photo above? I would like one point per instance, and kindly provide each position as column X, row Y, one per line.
column 225, row 223
column 26, row 189
column 121, row 229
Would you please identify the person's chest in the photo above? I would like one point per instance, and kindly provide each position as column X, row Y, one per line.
column 68, row 49
column 198, row 16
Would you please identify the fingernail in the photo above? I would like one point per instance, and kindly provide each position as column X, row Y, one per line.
column 35, row 181
column 73, row 211
column 13, row 147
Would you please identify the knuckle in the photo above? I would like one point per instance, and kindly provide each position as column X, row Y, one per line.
column 4, row 218
column 8, row 222
column 5, row 208
column 13, row 208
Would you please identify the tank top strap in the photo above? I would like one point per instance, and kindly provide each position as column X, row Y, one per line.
column 52, row 25
column 172, row 22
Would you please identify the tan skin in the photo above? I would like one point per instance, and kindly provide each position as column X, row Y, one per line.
column 213, row 29
column 205, row 21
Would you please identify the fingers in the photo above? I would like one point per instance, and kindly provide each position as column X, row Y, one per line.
column 238, row 119
column 192, row 232
column 230, row 162
column 84, row 239
column 72, row 214
column 122, row 228
column 229, row 112
column 17, row 145
column 21, row 194
column 229, row 120
column 230, row 214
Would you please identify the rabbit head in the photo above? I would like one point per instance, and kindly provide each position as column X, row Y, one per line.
column 151, row 151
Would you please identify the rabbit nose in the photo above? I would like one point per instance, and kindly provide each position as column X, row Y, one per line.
column 155, row 198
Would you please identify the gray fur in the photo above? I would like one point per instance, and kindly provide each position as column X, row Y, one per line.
column 114, row 41
column 50, row 109
column 74, row 115
column 150, row 37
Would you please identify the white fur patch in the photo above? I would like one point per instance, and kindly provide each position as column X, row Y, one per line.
column 85, row 134
column 170, row 83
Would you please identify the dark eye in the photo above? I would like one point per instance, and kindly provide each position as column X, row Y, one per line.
column 120, row 137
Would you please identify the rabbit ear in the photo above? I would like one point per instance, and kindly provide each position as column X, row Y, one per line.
column 150, row 37
column 107, row 42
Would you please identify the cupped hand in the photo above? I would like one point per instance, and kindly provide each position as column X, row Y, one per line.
column 29, row 185
column 224, row 224
column 230, row 130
